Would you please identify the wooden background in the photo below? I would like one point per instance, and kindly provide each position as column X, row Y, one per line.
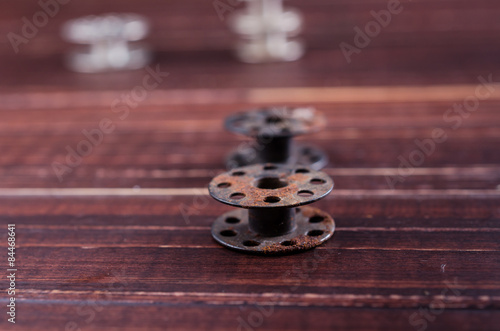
column 123, row 241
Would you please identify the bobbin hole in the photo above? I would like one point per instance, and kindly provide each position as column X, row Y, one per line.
column 232, row 220
column 316, row 219
column 288, row 243
column 305, row 194
column 228, row 233
column 237, row 196
column 270, row 167
column 238, row 173
column 272, row 199
column 315, row 233
column 274, row 119
column 270, row 183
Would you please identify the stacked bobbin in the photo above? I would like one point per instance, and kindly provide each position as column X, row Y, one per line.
column 267, row 30
column 272, row 219
column 273, row 129
column 111, row 43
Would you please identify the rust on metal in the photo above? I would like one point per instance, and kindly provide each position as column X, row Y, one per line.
column 270, row 221
column 270, row 186
column 276, row 122
column 273, row 129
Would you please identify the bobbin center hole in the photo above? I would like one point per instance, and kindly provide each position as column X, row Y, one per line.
column 270, row 183
column 274, row 119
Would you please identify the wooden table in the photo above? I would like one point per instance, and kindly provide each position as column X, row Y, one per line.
column 120, row 239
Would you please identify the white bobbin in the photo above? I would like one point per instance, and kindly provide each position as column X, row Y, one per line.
column 266, row 27
column 111, row 41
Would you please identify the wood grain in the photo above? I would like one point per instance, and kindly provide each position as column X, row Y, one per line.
column 122, row 241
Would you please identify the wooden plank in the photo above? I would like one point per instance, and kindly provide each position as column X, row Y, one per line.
column 388, row 207
column 45, row 97
column 467, row 178
column 358, row 271
column 384, row 66
column 352, row 238
column 156, row 316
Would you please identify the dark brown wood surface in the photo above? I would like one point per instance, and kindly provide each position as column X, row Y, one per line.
column 122, row 241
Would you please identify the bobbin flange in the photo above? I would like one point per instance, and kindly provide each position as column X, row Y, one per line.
column 273, row 220
column 273, row 129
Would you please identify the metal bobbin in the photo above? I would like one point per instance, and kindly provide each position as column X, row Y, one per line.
column 266, row 27
column 271, row 221
column 273, row 130
column 111, row 41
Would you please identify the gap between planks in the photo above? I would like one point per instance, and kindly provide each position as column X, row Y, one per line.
column 214, row 246
column 354, row 283
column 205, row 228
column 280, row 299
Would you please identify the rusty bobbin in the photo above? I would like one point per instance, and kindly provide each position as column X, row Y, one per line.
column 111, row 42
column 273, row 129
column 267, row 30
column 271, row 221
